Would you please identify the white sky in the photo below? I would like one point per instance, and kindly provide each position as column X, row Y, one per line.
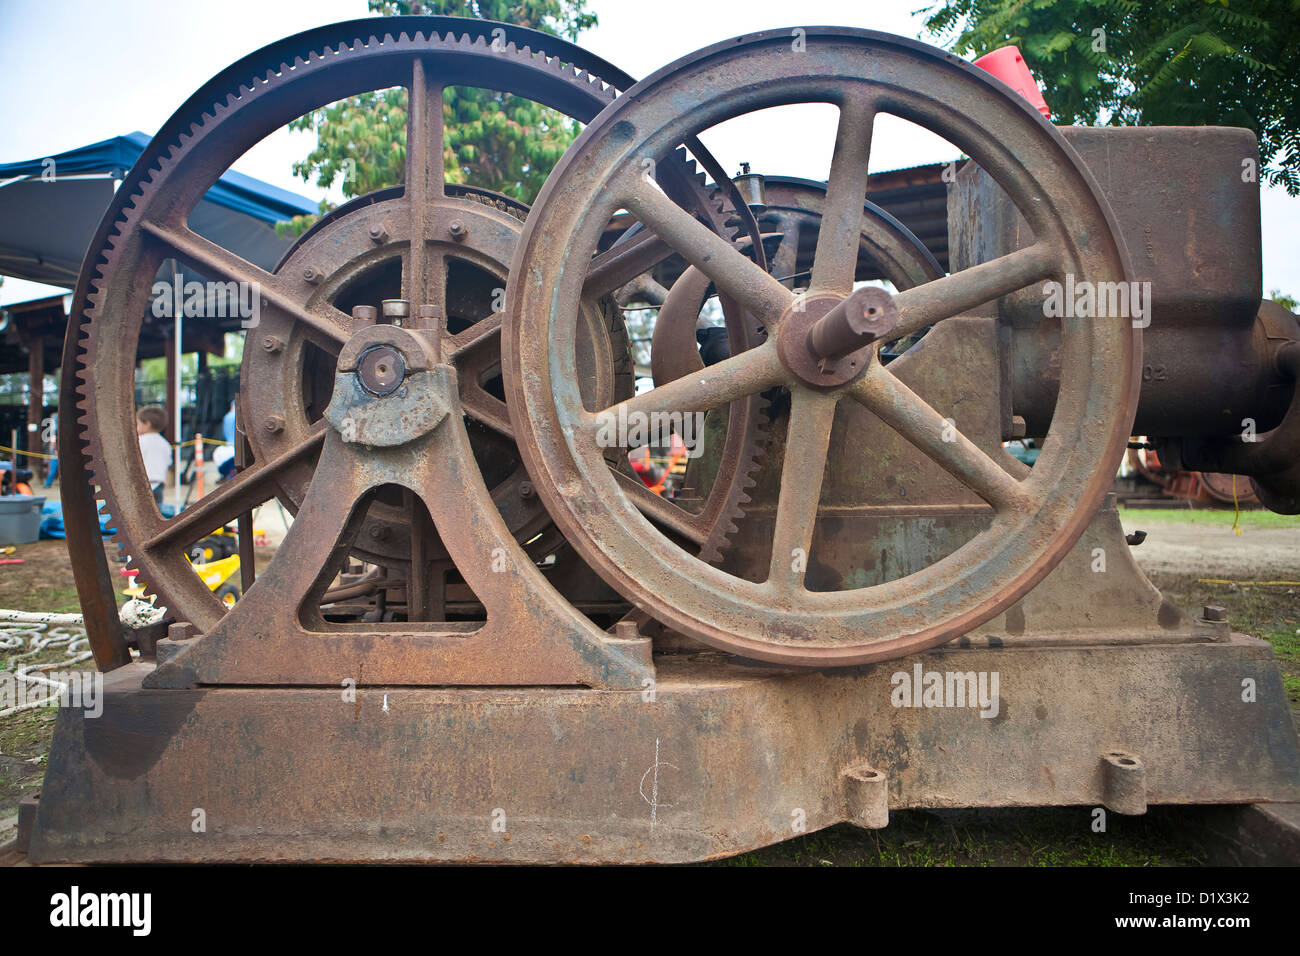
column 98, row 69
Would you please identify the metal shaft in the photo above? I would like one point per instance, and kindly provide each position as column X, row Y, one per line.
column 866, row 315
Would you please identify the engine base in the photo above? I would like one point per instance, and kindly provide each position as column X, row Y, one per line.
column 717, row 757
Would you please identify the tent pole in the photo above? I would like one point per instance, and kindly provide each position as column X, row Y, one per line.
column 176, row 395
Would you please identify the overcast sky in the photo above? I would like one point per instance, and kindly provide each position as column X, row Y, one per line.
column 80, row 71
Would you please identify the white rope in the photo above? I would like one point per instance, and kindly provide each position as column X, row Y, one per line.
column 40, row 631
column 33, row 633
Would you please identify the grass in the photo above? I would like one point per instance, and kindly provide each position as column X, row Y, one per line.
column 24, row 746
column 1286, row 648
column 1047, row 837
column 42, row 583
column 55, row 600
column 25, row 736
column 1207, row 517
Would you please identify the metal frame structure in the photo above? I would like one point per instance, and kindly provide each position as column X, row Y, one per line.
column 483, row 639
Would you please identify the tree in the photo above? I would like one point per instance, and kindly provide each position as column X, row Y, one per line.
column 1175, row 63
column 493, row 140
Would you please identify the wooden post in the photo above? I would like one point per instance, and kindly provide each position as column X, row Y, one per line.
column 36, row 401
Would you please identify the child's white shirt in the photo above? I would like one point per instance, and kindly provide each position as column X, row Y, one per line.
column 157, row 455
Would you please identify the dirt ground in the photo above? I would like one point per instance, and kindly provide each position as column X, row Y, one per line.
column 43, row 582
column 1194, row 557
column 1257, row 554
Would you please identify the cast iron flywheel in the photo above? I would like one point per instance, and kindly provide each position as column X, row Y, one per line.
column 1034, row 517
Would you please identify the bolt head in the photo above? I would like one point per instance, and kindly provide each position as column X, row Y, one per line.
column 1214, row 612
column 274, row 424
column 526, row 490
column 457, row 228
column 181, row 631
column 312, row 275
column 378, row 233
column 272, row 343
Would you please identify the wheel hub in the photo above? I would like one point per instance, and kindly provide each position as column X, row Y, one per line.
column 381, row 370
column 828, row 341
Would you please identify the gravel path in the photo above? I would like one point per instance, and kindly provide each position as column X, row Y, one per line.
column 1257, row 554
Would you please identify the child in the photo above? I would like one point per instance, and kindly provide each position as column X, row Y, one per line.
column 150, row 420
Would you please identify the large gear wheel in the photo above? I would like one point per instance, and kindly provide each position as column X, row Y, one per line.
column 288, row 378
column 823, row 349
column 359, row 254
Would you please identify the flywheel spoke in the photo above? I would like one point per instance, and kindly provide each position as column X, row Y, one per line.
column 474, row 352
column 245, row 491
column 744, row 374
column 808, row 438
column 836, row 259
column 624, row 261
column 479, row 335
column 729, row 269
column 939, row 439
column 423, row 273
column 924, row 305
column 486, row 409
column 331, row 328
column 660, row 510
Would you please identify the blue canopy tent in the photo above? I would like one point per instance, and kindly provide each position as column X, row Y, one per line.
column 50, row 206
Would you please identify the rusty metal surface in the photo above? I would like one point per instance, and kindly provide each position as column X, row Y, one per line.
column 411, row 425
column 94, row 582
column 1191, row 223
column 412, row 437
column 727, row 758
column 1272, row 457
column 420, row 233
column 777, row 617
column 792, row 215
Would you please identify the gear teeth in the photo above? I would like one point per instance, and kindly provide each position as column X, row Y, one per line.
column 720, row 541
column 727, row 223
column 90, row 314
